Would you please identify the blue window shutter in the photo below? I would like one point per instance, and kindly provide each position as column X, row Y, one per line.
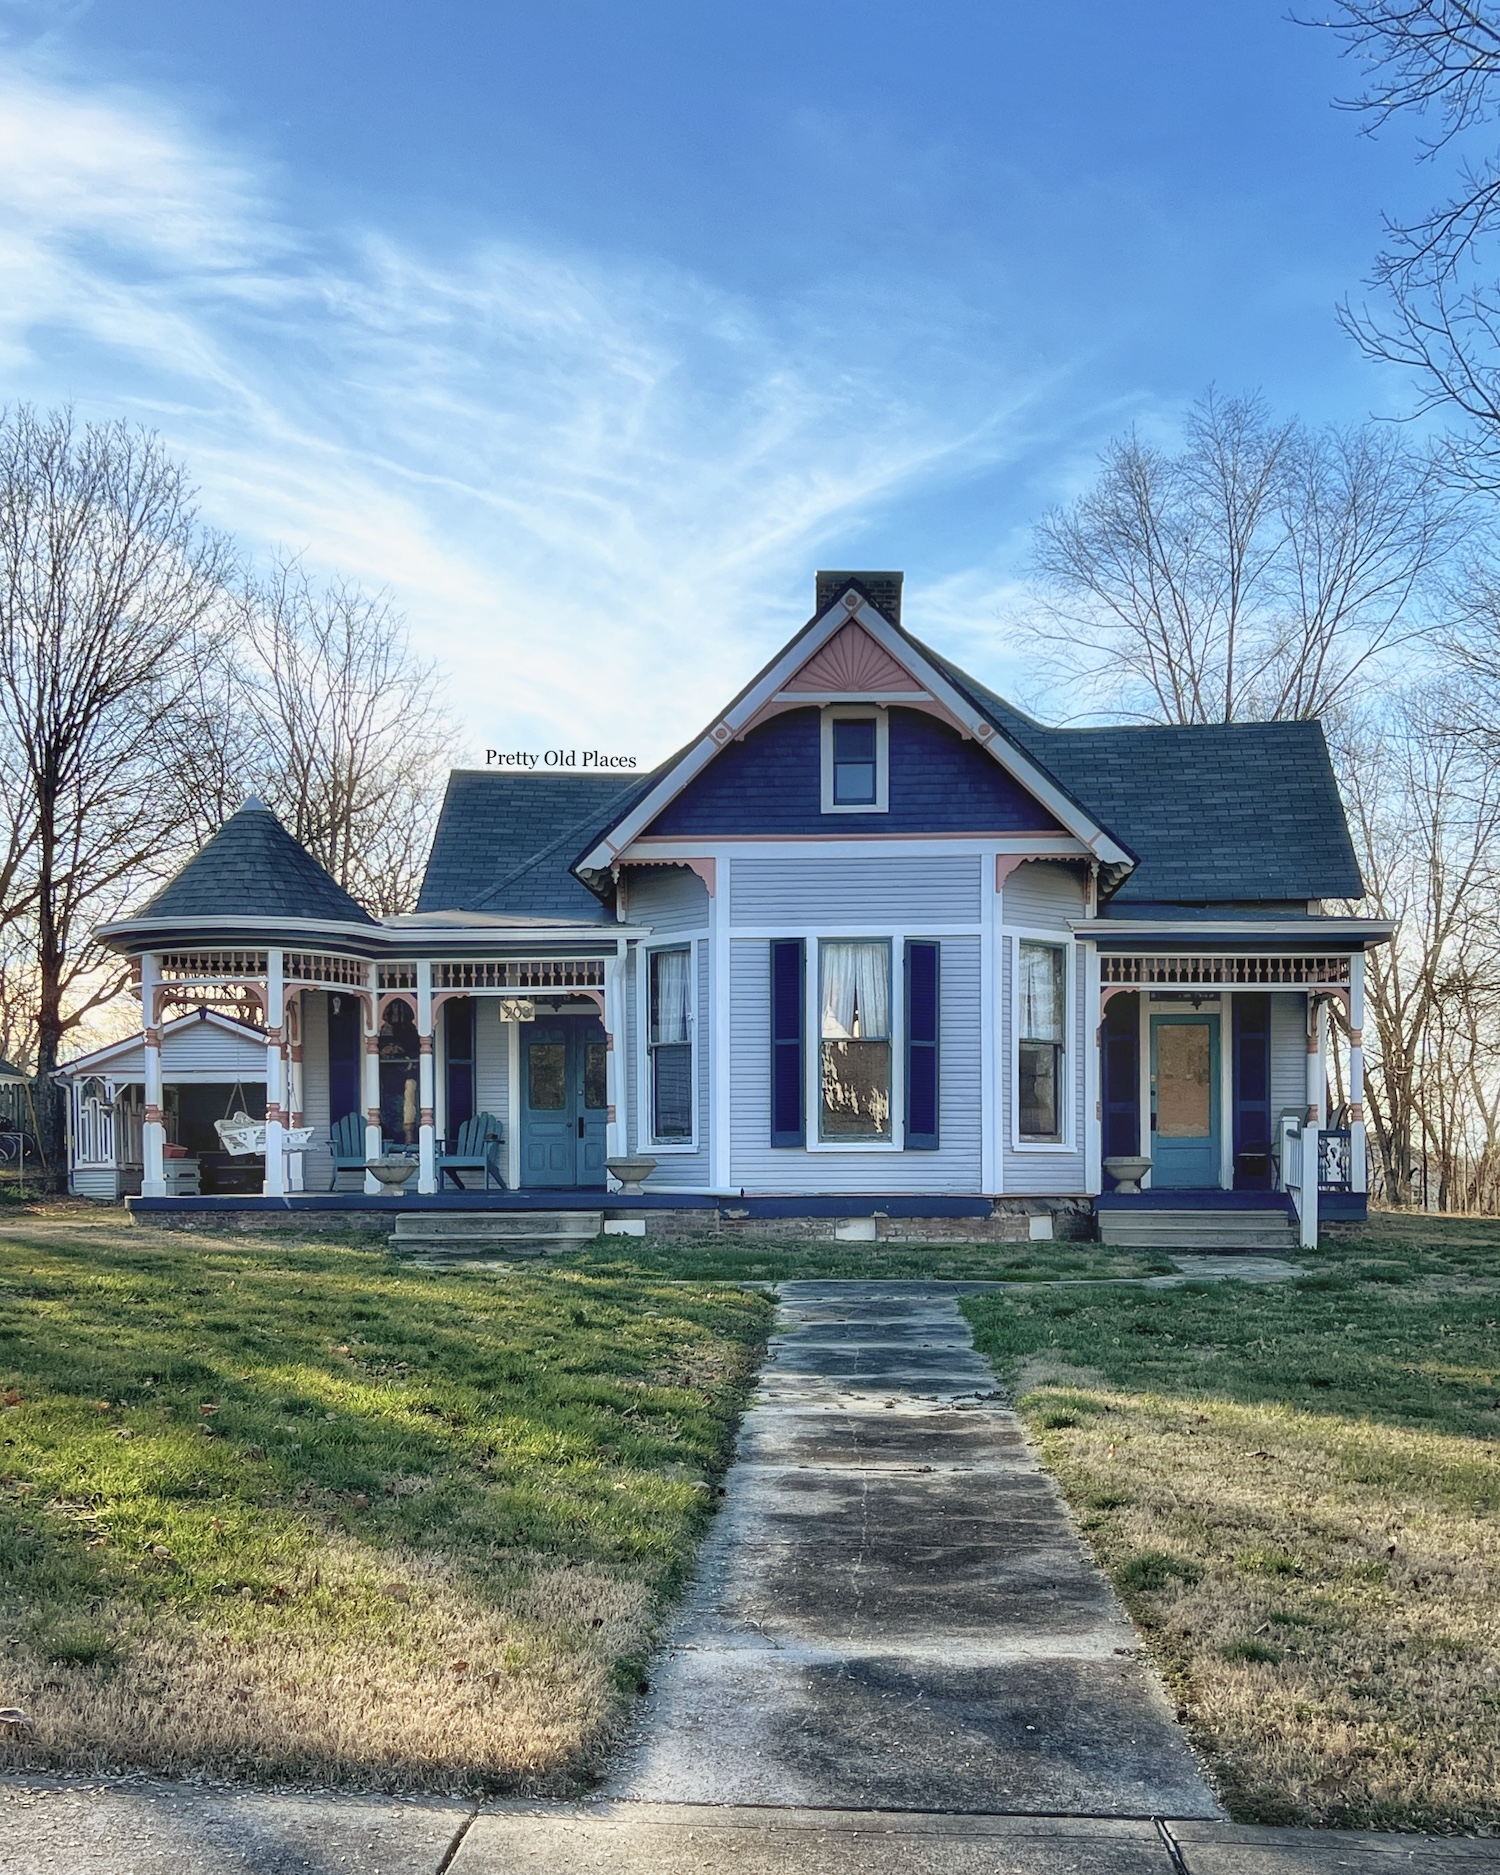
column 788, row 1017
column 921, row 1046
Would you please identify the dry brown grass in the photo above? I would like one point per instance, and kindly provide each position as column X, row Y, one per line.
column 410, row 1682
column 1296, row 1490
column 1375, row 1609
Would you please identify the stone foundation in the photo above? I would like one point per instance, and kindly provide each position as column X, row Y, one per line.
column 1010, row 1221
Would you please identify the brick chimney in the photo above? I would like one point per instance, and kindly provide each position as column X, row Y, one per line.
column 882, row 589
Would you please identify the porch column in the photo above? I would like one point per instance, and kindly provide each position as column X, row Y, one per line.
column 295, row 1095
column 426, row 1132
column 1317, row 1086
column 1093, row 1077
column 153, row 1129
column 1358, row 1174
column 614, row 1032
column 372, row 1079
column 275, row 1179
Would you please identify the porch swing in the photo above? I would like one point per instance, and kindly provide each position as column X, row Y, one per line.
column 241, row 1136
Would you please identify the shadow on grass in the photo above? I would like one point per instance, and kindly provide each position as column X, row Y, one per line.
column 187, row 1424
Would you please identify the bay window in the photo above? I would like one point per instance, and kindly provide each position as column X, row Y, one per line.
column 1041, row 1003
column 670, row 1044
column 855, row 1037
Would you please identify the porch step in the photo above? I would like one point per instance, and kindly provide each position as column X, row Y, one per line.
column 458, row 1234
column 1201, row 1229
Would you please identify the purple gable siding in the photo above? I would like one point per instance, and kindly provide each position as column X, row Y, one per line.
column 771, row 783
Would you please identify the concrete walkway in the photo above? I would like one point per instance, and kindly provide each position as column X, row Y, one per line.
column 894, row 1611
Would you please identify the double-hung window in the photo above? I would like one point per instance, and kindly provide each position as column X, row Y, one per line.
column 1042, row 1029
column 670, row 1043
column 855, row 1033
column 856, row 760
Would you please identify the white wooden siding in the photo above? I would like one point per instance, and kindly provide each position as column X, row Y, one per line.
column 97, row 1182
column 317, row 1161
column 492, row 1044
column 630, row 1066
column 1288, row 1055
column 1043, row 893
column 668, row 898
column 202, row 1049
column 804, row 892
column 757, row 1166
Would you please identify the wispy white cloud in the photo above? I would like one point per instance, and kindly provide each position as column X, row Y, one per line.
column 598, row 490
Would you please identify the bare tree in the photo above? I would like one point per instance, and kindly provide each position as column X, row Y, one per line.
column 1425, row 813
column 349, row 738
column 1438, row 61
column 1254, row 573
column 106, row 583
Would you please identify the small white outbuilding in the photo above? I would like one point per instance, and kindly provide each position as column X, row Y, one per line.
column 212, row 1066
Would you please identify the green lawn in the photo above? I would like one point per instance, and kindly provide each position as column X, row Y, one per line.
column 717, row 1259
column 1295, row 1488
column 284, row 1509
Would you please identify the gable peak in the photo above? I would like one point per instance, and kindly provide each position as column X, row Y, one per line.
column 852, row 662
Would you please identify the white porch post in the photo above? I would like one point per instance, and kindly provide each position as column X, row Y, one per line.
column 153, row 1129
column 295, row 1095
column 426, row 1132
column 1358, row 1170
column 274, row 1185
column 1317, row 1077
column 614, row 1054
column 1093, row 1078
column 372, row 1080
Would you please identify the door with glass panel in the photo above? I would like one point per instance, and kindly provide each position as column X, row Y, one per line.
column 564, row 1103
column 1184, row 1102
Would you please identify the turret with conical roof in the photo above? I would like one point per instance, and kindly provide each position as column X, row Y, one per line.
column 253, row 868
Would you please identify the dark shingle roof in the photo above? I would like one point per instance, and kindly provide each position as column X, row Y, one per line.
column 1215, row 811
column 253, row 868
column 505, row 842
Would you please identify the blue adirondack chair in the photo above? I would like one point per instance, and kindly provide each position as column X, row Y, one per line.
column 347, row 1142
column 478, row 1148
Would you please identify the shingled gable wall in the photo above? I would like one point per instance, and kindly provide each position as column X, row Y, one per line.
column 770, row 784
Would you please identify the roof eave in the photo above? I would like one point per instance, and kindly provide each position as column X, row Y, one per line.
column 1069, row 812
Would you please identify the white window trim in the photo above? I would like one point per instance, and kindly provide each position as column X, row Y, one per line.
column 856, row 712
column 645, row 1103
column 1014, row 936
column 814, row 1033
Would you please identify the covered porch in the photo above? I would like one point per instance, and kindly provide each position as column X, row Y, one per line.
column 399, row 1053
column 1211, row 1072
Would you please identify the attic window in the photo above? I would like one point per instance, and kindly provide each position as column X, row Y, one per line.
column 856, row 760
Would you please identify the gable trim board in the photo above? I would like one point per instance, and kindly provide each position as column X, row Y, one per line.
column 615, row 839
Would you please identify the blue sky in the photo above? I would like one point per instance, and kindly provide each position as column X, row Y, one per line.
column 590, row 330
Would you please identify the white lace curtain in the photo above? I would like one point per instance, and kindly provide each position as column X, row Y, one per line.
column 670, row 1012
column 1042, row 977
column 856, row 992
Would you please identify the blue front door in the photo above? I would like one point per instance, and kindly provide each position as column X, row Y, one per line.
column 564, row 1103
column 1184, row 1102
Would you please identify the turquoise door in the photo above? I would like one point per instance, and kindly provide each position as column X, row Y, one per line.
column 1184, row 1102
column 564, row 1103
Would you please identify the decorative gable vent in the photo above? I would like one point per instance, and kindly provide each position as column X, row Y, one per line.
column 851, row 663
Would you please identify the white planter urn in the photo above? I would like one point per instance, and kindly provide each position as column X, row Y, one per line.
column 632, row 1170
column 1127, row 1172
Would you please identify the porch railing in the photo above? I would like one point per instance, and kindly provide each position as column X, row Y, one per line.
column 1299, row 1155
column 1179, row 970
column 1335, row 1159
